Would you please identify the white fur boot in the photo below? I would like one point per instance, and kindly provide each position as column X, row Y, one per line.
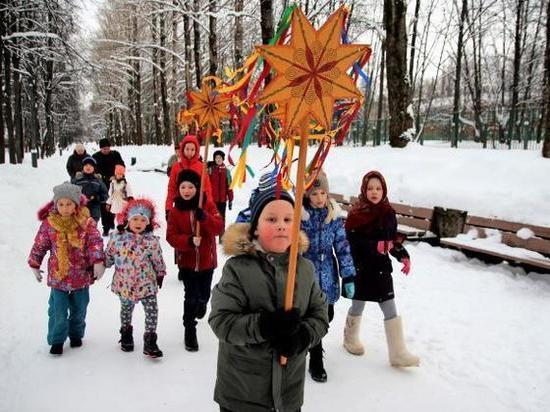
column 351, row 335
column 398, row 353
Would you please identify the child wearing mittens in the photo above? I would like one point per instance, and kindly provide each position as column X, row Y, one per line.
column 119, row 191
column 76, row 258
column 196, row 252
column 371, row 228
column 330, row 253
column 139, row 271
column 248, row 315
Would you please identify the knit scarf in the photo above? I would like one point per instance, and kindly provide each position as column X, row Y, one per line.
column 67, row 236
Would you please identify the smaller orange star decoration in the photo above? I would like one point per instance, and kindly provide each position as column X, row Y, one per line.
column 311, row 71
column 209, row 107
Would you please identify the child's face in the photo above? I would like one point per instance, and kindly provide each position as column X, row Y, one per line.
column 119, row 176
column 318, row 199
column 275, row 226
column 219, row 160
column 374, row 190
column 65, row 207
column 137, row 224
column 189, row 150
column 187, row 190
column 88, row 168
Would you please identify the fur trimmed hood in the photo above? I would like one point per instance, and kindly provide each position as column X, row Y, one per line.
column 236, row 241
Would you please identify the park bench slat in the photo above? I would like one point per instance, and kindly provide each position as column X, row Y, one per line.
column 539, row 231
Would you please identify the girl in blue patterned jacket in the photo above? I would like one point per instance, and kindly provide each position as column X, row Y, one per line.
column 330, row 253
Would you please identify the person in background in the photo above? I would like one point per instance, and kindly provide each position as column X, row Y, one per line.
column 371, row 228
column 76, row 259
column 74, row 162
column 330, row 253
column 220, row 179
column 92, row 187
column 119, row 191
column 107, row 159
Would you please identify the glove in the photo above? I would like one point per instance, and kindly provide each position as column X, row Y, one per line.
column 350, row 290
column 384, row 246
column 160, row 279
column 99, row 270
column 279, row 323
column 406, row 265
column 195, row 241
column 199, row 213
column 230, row 205
column 37, row 274
column 166, row 212
column 297, row 342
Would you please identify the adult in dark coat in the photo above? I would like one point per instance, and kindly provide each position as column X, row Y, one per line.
column 74, row 162
column 106, row 160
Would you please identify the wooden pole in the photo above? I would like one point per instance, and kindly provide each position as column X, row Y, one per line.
column 300, row 183
column 203, row 174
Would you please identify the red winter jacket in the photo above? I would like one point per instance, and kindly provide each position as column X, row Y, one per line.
column 220, row 181
column 181, row 228
column 193, row 164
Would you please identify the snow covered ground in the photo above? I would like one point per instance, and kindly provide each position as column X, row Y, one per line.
column 482, row 331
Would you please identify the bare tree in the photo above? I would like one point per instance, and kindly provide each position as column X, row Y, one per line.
column 546, row 144
column 458, row 73
column 399, row 92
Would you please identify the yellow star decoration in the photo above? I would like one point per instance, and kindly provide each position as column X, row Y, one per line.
column 184, row 119
column 311, row 71
column 209, row 106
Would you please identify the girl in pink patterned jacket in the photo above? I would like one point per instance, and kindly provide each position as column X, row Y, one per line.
column 76, row 259
column 139, row 270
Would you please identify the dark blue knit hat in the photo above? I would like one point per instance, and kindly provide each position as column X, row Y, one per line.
column 89, row 160
column 262, row 198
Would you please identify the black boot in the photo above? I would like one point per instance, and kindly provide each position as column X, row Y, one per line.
column 76, row 342
column 56, row 349
column 126, row 339
column 191, row 343
column 200, row 311
column 316, row 367
column 150, row 347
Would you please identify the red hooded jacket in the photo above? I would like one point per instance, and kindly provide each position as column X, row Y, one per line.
column 193, row 164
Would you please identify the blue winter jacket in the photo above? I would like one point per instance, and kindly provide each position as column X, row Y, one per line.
column 328, row 250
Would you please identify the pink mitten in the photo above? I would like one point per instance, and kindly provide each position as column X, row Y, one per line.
column 384, row 246
column 406, row 266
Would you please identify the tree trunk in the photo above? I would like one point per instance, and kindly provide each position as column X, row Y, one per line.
column 399, row 92
column 48, row 144
column 163, row 86
column 266, row 15
column 238, row 34
column 380, row 109
column 212, row 38
column 458, row 74
column 546, row 143
column 197, row 45
column 413, row 46
column 187, row 51
column 138, row 139
column 174, row 78
column 8, row 115
column 516, row 73
column 156, row 105
column 3, row 12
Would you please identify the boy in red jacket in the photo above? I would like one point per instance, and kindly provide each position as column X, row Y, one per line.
column 220, row 180
column 196, row 254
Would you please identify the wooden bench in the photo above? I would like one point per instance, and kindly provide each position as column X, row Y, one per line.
column 532, row 252
column 493, row 240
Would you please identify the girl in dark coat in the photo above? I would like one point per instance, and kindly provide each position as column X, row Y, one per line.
column 371, row 229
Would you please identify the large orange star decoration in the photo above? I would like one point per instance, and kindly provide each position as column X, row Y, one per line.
column 209, row 106
column 311, row 71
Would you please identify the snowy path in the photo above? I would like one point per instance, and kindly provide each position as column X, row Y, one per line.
column 481, row 331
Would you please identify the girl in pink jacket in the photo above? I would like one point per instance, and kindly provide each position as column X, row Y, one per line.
column 76, row 259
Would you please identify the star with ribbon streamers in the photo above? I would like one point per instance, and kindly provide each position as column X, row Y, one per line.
column 312, row 70
column 209, row 106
